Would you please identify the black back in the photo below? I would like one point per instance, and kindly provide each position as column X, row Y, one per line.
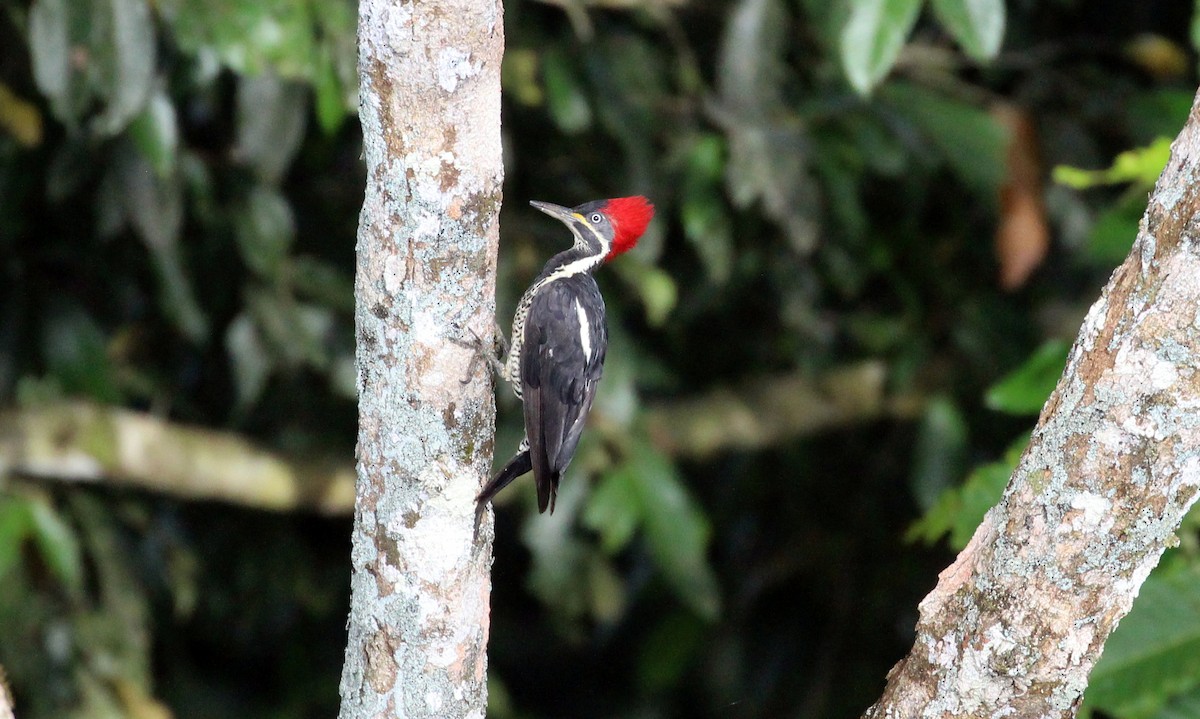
column 558, row 378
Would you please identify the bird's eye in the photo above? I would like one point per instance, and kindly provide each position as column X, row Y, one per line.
column 596, row 218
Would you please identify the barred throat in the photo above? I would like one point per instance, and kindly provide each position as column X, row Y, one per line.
column 512, row 363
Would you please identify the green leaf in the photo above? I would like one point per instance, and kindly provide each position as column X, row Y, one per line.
column 519, row 76
column 707, row 227
column 940, row 450
column 1025, row 390
column 873, row 37
column 677, row 532
column 252, row 36
column 323, row 282
column 156, row 135
column 117, row 40
column 153, row 202
column 1155, row 653
column 76, row 353
column 877, row 333
column 706, row 159
column 49, row 49
column 1194, row 30
column 330, row 98
column 768, row 143
column 659, row 294
column 560, row 575
column 272, row 114
column 1158, row 112
column 1183, row 706
column 154, row 205
column 977, row 25
column 296, row 332
column 669, row 650
column 250, row 359
column 968, row 138
column 265, row 231
column 751, row 64
column 959, row 511
column 1114, row 231
column 706, row 223
column 1140, row 166
column 16, row 523
column 124, row 60
column 564, row 98
column 57, row 544
column 613, row 510
column 606, row 590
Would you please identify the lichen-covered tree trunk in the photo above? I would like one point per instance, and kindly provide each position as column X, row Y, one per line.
column 430, row 111
column 1016, row 624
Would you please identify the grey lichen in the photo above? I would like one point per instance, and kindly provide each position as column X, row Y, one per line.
column 426, row 272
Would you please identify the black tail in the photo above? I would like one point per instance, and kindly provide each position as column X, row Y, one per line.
column 518, row 465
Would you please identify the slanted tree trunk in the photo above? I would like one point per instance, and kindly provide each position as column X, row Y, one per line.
column 6, row 704
column 430, row 110
column 1016, row 624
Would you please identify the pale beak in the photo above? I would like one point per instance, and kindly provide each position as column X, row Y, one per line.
column 558, row 212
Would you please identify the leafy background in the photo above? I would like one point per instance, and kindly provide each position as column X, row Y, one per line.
column 880, row 224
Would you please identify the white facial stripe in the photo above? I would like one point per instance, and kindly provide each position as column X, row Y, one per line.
column 585, row 331
column 580, row 242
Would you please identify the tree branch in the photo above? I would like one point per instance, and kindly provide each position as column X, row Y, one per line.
column 89, row 443
column 1016, row 624
column 772, row 410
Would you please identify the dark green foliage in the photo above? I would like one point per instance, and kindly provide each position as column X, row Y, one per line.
column 1154, row 657
column 179, row 191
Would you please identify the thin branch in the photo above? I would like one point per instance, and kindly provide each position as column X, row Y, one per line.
column 88, row 443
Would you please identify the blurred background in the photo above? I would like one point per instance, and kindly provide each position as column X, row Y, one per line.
column 880, row 224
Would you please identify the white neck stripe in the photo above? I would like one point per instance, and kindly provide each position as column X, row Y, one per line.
column 584, row 264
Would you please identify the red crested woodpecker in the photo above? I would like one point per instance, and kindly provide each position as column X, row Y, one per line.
column 559, row 340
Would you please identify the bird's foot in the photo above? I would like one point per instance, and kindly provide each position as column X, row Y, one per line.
column 494, row 360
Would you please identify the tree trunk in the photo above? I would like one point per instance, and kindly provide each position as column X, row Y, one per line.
column 1016, row 624
column 6, row 703
column 430, row 111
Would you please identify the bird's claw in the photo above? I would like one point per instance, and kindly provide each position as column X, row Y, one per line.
column 482, row 354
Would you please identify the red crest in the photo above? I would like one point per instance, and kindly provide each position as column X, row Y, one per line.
column 629, row 217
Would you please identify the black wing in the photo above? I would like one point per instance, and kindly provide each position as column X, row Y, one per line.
column 565, row 342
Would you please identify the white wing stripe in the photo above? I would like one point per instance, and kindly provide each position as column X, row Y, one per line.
column 585, row 332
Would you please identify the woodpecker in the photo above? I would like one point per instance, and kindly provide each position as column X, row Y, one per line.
column 559, row 340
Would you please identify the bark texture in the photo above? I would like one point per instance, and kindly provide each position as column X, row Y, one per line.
column 430, row 111
column 1016, row 624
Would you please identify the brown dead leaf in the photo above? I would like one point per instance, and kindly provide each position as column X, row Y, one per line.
column 1023, row 235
